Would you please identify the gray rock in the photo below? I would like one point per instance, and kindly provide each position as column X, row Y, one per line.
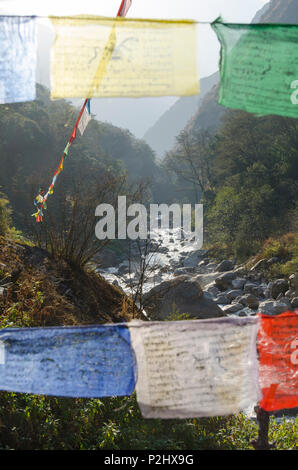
column 224, row 281
column 182, row 271
column 225, row 265
column 180, row 295
column 293, row 280
column 294, row 302
column 280, row 286
column 249, row 286
column 272, row 307
column 249, row 300
column 238, row 283
column 205, row 279
column 290, row 294
column 232, row 294
column 285, row 301
column 232, row 308
column 221, row 300
column 212, row 289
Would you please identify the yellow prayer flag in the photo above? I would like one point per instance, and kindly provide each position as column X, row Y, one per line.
column 108, row 57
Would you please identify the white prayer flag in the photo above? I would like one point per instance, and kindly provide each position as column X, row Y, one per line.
column 83, row 123
column 196, row 368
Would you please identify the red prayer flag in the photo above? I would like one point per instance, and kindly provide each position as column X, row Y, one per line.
column 278, row 361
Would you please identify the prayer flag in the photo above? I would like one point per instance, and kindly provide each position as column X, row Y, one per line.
column 106, row 57
column 259, row 67
column 88, row 361
column 195, row 368
column 18, row 57
column 85, row 118
column 278, row 361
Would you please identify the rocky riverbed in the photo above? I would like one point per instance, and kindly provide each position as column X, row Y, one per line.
column 180, row 280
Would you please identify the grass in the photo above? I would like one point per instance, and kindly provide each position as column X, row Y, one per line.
column 50, row 423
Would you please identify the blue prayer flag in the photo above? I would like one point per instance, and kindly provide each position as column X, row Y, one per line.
column 88, row 361
column 18, row 57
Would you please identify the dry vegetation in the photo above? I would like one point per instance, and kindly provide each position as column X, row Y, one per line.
column 40, row 291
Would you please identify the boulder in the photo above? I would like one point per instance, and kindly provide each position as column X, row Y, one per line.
column 249, row 300
column 224, row 281
column 180, row 295
column 182, row 271
column 293, row 280
column 225, row 265
column 205, row 279
column 280, row 286
column 249, row 286
column 272, row 307
column 232, row 308
column 222, row 300
column 232, row 294
column 294, row 302
column 212, row 289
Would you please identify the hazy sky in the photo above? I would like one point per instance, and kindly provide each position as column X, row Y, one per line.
column 145, row 111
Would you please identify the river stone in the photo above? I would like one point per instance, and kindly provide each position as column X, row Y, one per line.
column 280, row 286
column 272, row 307
column 180, row 295
column 232, row 308
column 224, row 281
column 205, row 279
column 293, row 279
column 222, row 300
column 248, row 287
column 249, row 300
column 225, row 265
column 212, row 289
column 232, row 294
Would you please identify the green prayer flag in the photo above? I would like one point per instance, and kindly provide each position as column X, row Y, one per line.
column 259, row 67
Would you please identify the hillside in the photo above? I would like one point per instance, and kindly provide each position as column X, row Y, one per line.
column 161, row 136
column 33, row 137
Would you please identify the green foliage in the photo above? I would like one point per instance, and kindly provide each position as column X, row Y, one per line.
column 50, row 423
column 33, row 136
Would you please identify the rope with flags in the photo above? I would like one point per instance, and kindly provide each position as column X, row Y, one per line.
column 84, row 117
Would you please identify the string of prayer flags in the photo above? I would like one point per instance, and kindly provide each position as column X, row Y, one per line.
column 81, row 124
column 18, row 58
column 195, row 368
column 259, row 67
column 119, row 57
column 278, row 361
column 93, row 361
